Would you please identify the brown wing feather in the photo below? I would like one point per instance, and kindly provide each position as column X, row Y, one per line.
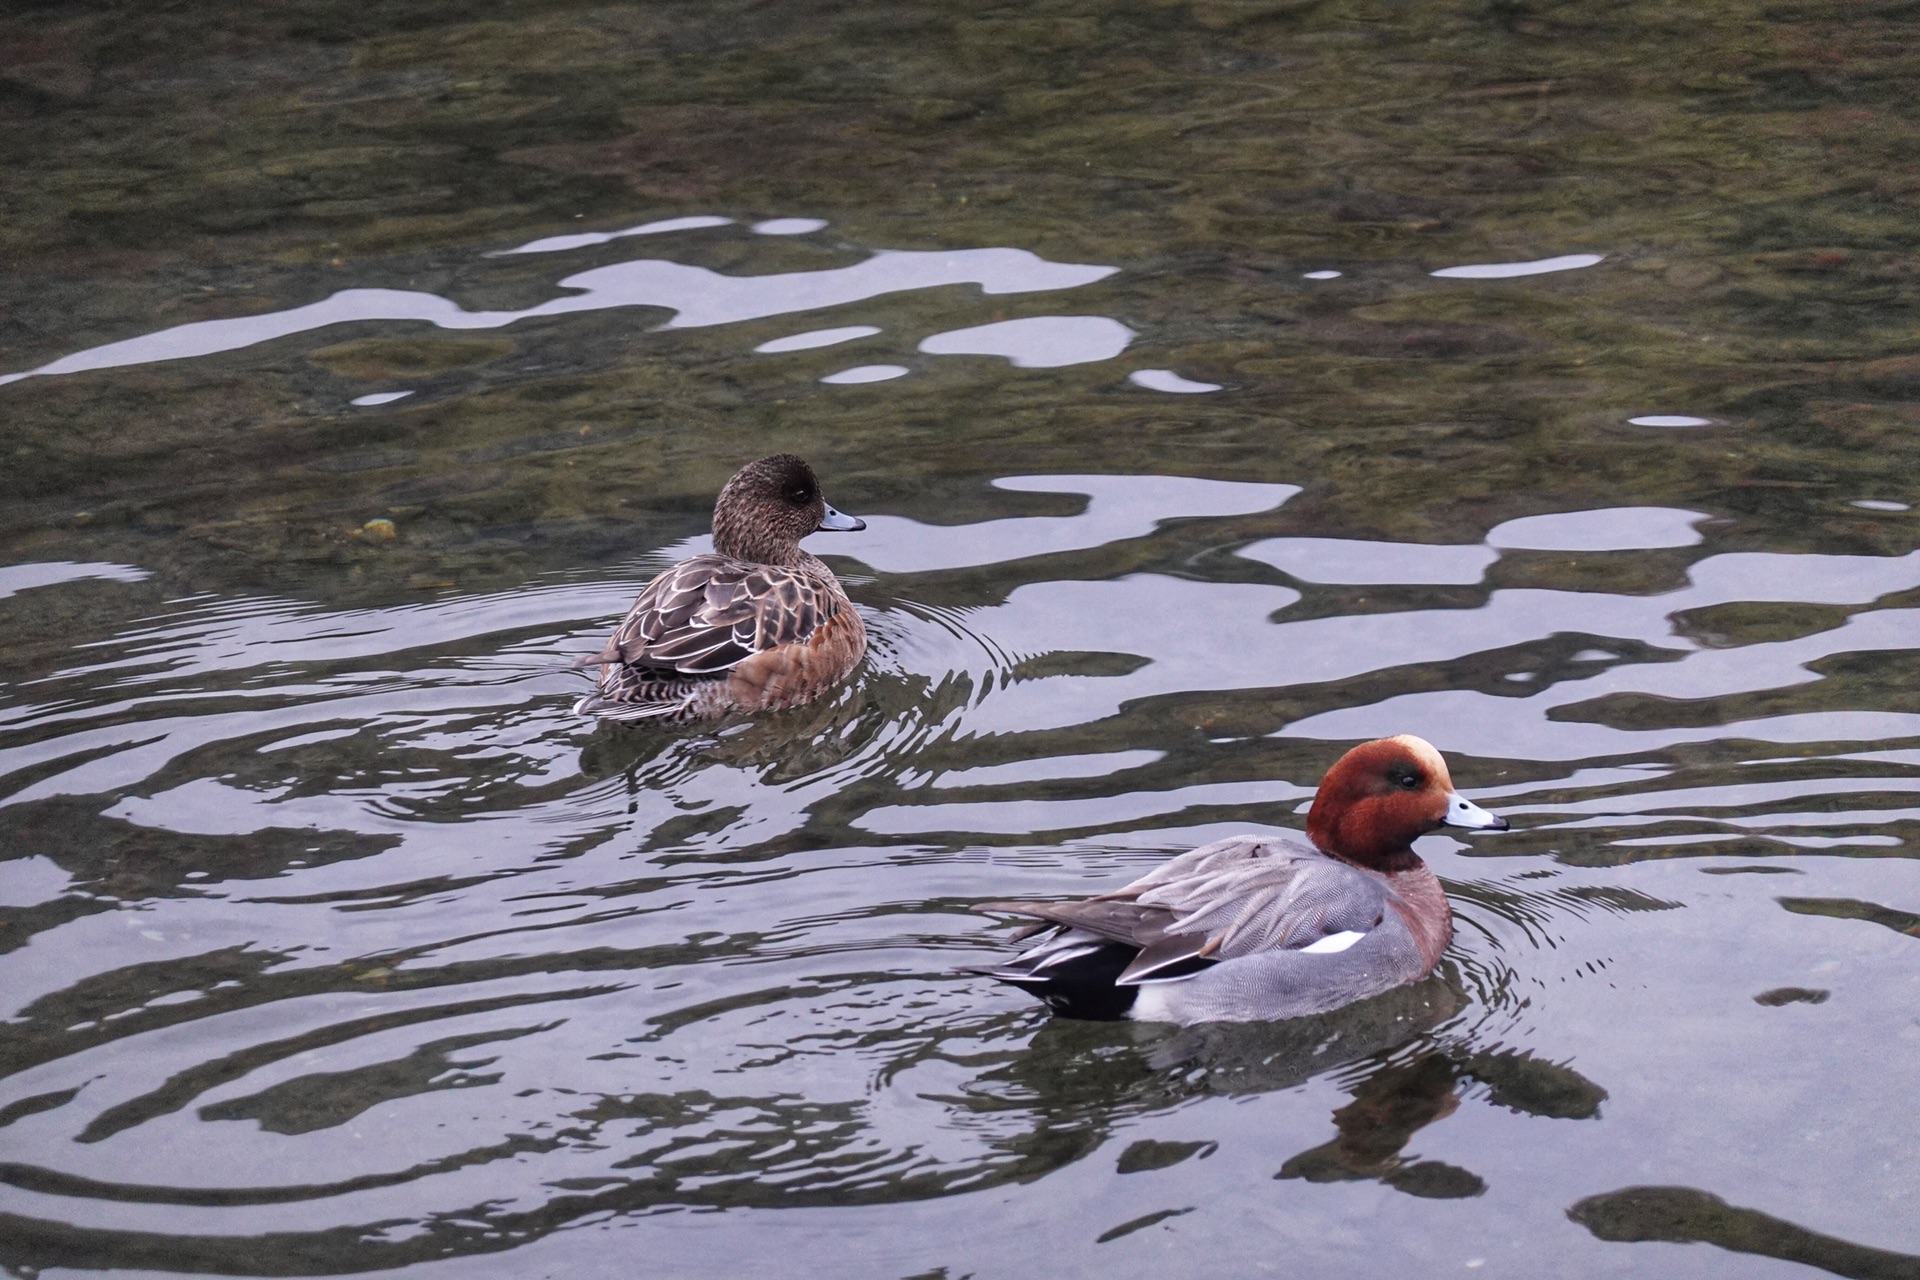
column 712, row 612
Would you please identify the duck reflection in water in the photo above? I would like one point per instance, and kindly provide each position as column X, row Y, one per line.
column 1402, row 1057
column 1399, row 1096
column 1687, row 1215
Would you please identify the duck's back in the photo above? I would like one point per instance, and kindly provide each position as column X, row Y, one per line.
column 716, row 633
column 1247, row 928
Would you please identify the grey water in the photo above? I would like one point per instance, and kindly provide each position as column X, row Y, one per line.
column 1222, row 385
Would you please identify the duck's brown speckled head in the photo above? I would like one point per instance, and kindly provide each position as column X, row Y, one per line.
column 770, row 505
column 1381, row 796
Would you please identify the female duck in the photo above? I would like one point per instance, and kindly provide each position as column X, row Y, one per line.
column 757, row 624
column 1251, row 928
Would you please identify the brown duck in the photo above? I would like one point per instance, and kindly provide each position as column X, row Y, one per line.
column 756, row 624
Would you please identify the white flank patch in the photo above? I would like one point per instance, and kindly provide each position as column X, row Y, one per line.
column 1334, row 942
column 1153, row 1004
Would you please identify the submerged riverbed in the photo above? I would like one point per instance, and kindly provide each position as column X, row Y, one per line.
column 1223, row 384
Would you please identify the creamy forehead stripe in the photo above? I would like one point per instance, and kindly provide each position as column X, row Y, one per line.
column 1426, row 757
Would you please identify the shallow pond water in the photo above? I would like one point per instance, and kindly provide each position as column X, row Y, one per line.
column 1222, row 384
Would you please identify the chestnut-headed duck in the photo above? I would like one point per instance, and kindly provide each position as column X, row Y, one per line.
column 756, row 624
column 1258, row 928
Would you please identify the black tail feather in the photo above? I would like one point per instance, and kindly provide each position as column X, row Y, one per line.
column 1080, row 987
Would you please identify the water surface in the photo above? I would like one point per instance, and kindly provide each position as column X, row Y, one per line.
column 1222, row 385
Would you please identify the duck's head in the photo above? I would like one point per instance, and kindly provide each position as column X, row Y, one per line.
column 1380, row 796
column 770, row 505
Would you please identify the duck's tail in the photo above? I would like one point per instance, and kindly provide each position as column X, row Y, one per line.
column 615, row 709
column 1074, row 972
column 626, row 692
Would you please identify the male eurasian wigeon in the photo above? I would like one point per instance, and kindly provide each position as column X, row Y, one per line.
column 1256, row 928
column 756, row 624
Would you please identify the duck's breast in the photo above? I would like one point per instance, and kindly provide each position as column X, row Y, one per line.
column 1420, row 903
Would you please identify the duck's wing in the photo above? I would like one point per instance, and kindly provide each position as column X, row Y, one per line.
column 712, row 612
column 1233, row 898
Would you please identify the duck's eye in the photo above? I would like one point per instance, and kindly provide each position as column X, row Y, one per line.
column 1407, row 781
column 799, row 497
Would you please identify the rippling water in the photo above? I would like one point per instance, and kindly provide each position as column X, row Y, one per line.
column 377, row 951
column 1330, row 373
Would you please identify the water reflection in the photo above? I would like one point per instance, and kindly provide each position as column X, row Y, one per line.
column 1402, row 1082
column 344, row 947
column 22, row 577
column 586, row 239
column 1036, row 342
column 1019, row 1112
column 865, row 373
column 1513, row 270
column 790, row 226
column 1118, row 508
column 817, row 338
column 1168, row 380
column 334, row 925
column 1683, row 1215
column 695, row 296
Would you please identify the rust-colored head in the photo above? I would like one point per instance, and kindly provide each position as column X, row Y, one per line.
column 1381, row 796
column 770, row 505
